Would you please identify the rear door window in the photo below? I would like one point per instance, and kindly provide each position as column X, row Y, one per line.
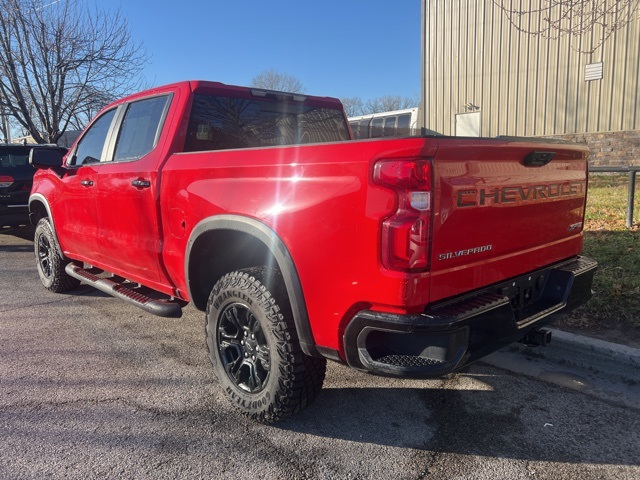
column 140, row 128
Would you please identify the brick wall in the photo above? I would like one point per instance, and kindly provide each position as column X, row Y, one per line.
column 611, row 149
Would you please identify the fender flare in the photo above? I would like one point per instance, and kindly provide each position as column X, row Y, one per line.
column 41, row 198
column 284, row 261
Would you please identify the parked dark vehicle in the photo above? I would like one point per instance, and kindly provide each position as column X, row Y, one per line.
column 16, row 178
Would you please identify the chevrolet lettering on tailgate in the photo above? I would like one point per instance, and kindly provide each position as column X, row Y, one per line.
column 482, row 197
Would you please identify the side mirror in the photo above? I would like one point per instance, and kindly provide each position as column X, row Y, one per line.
column 46, row 157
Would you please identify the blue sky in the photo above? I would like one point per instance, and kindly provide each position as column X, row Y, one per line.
column 339, row 48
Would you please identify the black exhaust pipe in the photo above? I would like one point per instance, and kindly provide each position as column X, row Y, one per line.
column 539, row 336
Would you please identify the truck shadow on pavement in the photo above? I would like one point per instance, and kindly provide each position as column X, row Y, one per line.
column 17, row 249
column 25, row 233
column 481, row 413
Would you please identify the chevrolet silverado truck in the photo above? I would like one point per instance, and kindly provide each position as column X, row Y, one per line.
column 408, row 256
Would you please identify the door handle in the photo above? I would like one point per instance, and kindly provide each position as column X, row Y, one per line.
column 87, row 183
column 141, row 183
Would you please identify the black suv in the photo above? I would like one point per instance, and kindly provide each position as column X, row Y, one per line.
column 16, row 177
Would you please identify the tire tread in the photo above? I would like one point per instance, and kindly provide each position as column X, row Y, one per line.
column 60, row 281
column 299, row 376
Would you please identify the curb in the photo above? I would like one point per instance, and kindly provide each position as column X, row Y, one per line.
column 603, row 369
column 590, row 353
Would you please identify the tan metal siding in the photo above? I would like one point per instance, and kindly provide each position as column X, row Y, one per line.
column 524, row 84
column 632, row 69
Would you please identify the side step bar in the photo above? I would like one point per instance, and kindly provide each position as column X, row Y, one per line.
column 162, row 308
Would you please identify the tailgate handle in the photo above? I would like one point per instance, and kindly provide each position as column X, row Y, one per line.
column 538, row 159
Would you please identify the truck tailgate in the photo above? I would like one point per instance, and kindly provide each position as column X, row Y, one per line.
column 502, row 208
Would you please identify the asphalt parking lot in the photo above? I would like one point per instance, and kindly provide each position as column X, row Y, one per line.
column 91, row 387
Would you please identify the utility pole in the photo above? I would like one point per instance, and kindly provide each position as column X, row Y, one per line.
column 7, row 127
column 4, row 126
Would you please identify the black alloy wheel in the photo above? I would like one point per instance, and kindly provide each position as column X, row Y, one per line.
column 43, row 251
column 254, row 349
column 49, row 263
column 244, row 351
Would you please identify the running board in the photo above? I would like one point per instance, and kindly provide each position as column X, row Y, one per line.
column 162, row 308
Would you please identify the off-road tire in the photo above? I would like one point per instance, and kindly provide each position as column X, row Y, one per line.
column 49, row 263
column 254, row 348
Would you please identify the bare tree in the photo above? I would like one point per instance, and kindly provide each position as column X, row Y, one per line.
column 592, row 21
column 57, row 58
column 388, row 103
column 353, row 106
column 95, row 101
column 272, row 79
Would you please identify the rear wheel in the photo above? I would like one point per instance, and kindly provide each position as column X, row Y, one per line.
column 254, row 348
column 49, row 263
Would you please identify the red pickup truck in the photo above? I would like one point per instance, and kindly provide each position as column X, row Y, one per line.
column 405, row 256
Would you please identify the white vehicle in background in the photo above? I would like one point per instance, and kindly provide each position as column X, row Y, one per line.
column 396, row 123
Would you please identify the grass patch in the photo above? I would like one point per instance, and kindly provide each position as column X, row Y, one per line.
column 616, row 301
column 607, row 203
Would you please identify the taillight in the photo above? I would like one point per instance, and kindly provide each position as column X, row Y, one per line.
column 5, row 181
column 406, row 232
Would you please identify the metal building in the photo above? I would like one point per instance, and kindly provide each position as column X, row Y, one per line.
column 485, row 73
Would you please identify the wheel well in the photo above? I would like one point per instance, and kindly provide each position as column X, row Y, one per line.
column 218, row 252
column 37, row 210
column 227, row 243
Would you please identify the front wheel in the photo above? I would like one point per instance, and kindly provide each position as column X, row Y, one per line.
column 254, row 348
column 49, row 263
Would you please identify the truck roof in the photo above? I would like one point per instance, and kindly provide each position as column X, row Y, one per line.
column 218, row 88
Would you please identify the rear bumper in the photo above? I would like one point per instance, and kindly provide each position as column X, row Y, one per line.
column 453, row 333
